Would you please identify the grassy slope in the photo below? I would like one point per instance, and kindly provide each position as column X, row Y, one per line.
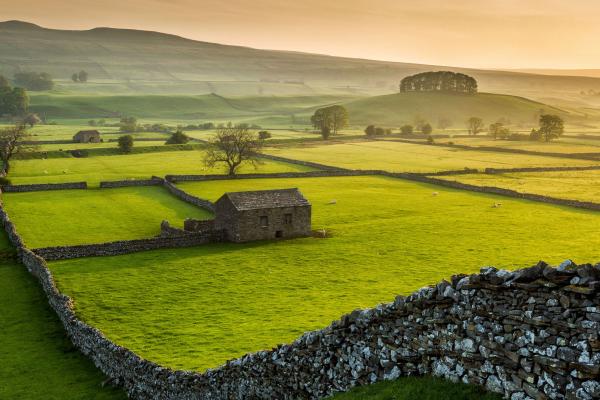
column 400, row 108
column 55, row 218
column 573, row 185
column 195, row 308
column 407, row 157
column 417, row 388
column 565, row 144
column 96, row 169
column 38, row 361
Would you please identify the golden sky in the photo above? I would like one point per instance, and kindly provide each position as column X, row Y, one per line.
column 484, row 33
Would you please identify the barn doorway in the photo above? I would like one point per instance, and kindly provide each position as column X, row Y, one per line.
column 278, row 234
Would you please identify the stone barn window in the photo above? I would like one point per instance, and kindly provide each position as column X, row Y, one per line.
column 264, row 221
column 287, row 219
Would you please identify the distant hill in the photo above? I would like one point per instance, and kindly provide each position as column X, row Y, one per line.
column 131, row 61
column 396, row 109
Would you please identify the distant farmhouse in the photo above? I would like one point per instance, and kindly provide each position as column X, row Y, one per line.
column 92, row 136
column 264, row 214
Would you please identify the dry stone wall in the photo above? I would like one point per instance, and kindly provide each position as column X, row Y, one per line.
column 308, row 174
column 540, row 169
column 44, row 186
column 154, row 181
column 202, row 203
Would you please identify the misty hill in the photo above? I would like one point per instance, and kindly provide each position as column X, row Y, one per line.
column 151, row 62
column 396, row 109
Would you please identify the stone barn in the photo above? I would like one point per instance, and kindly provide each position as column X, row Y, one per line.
column 87, row 137
column 264, row 214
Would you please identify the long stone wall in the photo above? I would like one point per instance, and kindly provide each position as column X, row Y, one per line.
column 129, row 246
column 528, row 334
column 154, row 181
column 44, row 186
column 303, row 163
column 308, row 174
column 540, row 169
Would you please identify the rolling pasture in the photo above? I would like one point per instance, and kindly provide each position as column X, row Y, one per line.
column 408, row 157
column 571, row 185
column 117, row 167
column 57, row 218
column 566, row 144
column 195, row 308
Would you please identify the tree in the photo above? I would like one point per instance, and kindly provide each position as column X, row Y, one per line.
column 31, row 120
column 551, row 126
column 498, row 130
column 264, row 135
column 126, row 143
column 379, row 131
column 406, row 130
column 4, row 83
column 128, row 124
column 11, row 144
column 370, row 130
column 440, row 81
column 475, row 125
column 75, row 77
column 233, row 146
column 178, row 137
column 13, row 101
column 426, row 129
column 334, row 118
column 83, row 76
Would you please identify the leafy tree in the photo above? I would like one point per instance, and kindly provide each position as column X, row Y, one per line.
column 4, row 84
column 11, row 144
column 370, row 130
column 551, row 126
column 264, row 135
column 430, row 140
column 388, row 131
column 379, row 131
column 498, row 130
column 233, row 146
column 178, row 137
column 406, row 130
column 13, row 101
column 126, row 143
column 128, row 124
column 92, row 122
column 334, row 118
column 34, row 80
column 475, row 125
column 440, row 81
column 426, row 129
column 83, row 76
column 75, row 77
column 31, row 120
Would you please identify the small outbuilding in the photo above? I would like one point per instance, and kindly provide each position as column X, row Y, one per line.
column 91, row 136
column 263, row 214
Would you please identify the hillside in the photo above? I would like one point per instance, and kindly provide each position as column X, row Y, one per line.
column 120, row 60
column 396, row 109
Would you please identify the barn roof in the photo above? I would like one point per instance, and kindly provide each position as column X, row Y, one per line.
column 261, row 199
column 90, row 132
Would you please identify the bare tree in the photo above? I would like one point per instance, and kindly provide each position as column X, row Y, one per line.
column 233, row 146
column 11, row 144
column 475, row 125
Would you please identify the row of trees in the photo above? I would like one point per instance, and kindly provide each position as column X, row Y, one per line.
column 550, row 127
column 14, row 101
column 330, row 120
column 34, row 81
column 440, row 81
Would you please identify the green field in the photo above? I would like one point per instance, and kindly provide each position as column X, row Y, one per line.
column 566, row 144
column 198, row 307
column 58, row 218
column 38, row 361
column 116, row 167
column 407, row 157
column 572, row 185
column 412, row 388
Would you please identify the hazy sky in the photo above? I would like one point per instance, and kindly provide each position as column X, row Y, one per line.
column 477, row 33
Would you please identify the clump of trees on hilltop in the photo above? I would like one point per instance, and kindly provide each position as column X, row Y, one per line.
column 81, row 76
column 441, row 81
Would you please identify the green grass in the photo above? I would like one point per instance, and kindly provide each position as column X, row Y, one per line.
column 55, row 218
column 407, row 157
column 572, row 185
column 394, row 110
column 115, row 167
column 196, row 308
column 412, row 388
column 38, row 361
column 565, row 144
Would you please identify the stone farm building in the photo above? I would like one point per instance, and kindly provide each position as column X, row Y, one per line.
column 92, row 136
column 264, row 214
